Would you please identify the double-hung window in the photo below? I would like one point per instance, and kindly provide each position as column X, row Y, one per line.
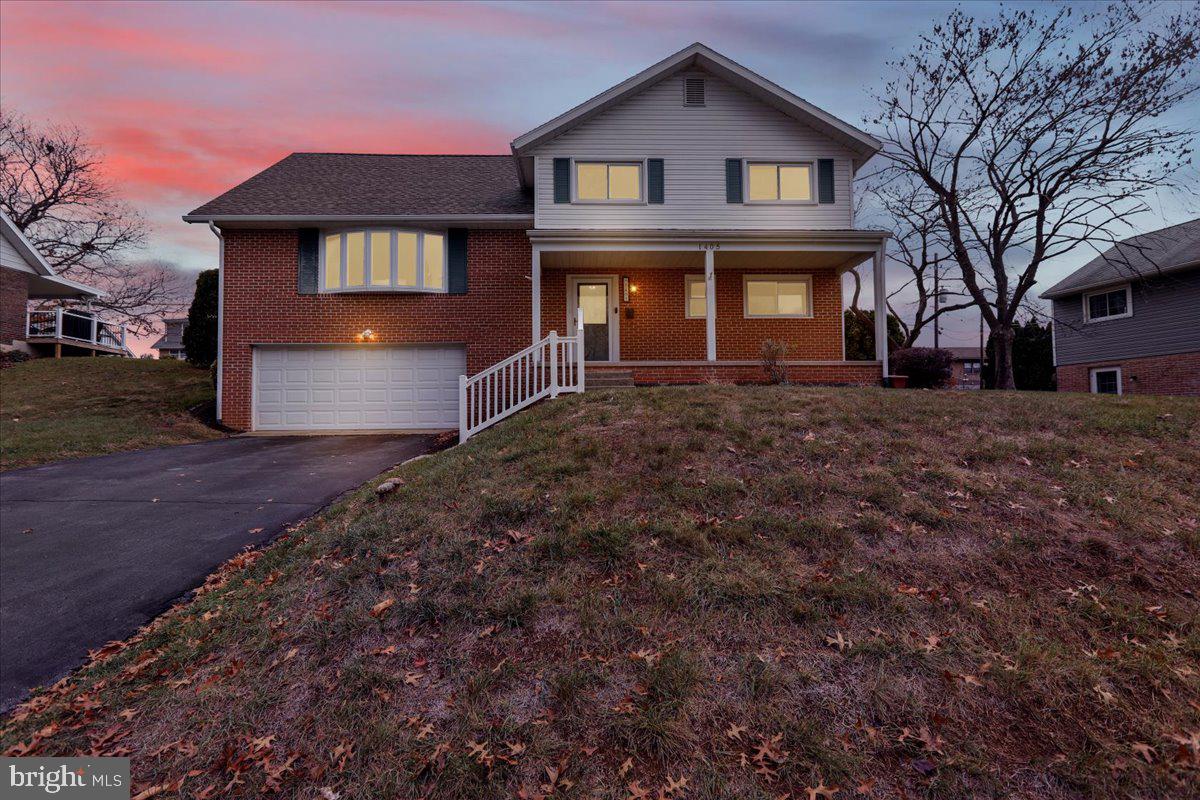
column 695, row 297
column 608, row 181
column 1108, row 304
column 777, row 295
column 780, row 183
column 383, row 259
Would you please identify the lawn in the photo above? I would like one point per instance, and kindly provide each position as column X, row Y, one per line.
column 704, row 592
column 51, row 409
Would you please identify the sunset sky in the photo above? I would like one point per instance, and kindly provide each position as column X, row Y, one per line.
column 188, row 99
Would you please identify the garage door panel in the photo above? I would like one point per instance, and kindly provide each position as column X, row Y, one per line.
column 335, row 387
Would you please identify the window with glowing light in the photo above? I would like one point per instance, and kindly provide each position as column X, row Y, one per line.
column 383, row 260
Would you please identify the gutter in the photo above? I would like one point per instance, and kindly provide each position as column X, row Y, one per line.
column 220, row 312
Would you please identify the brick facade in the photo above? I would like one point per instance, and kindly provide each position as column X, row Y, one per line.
column 14, row 299
column 262, row 306
column 1174, row 374
column 659, row 329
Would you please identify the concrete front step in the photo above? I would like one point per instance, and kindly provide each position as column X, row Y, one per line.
column 608, row 379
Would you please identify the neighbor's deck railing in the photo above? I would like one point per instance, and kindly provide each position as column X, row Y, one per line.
column 57, row 323
column 545, row 369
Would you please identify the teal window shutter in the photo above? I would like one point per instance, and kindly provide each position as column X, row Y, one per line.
column 824, row 180
column 310, row 254
column 562, row 180
column 654, row 181
column 456, row 260
column 733, row 180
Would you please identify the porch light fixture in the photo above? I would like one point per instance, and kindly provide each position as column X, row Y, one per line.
column 366, row 335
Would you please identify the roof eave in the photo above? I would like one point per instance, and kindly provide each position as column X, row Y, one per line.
column 1059, row 291
column 289, row 220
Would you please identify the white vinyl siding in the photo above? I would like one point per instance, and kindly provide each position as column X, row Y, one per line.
column 401, row 387
column 9, row 257
column 693, row 143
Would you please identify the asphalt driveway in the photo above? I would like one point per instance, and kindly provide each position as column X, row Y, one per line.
column 94, row 548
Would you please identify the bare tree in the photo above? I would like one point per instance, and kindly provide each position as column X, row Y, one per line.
column 1037, row 133
column 53, row 189
column 920, row 245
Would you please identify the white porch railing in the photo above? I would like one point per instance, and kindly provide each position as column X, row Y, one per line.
column 545, row 369
column 57, row 323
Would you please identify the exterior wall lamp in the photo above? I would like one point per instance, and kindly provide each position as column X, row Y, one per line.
column 366, row 335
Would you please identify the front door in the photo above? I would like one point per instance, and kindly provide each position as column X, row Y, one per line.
column 592, row 298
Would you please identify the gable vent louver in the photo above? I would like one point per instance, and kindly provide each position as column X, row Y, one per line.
column 693, row 91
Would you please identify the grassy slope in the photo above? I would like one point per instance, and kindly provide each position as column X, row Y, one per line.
column 51, row 409
column 754, row 590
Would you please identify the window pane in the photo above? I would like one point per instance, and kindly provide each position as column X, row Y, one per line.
column 1097, row 306
column 696, row 288
column 697, row 307
column 760, row 298
column 793, row 297
column 406, row 259
column 333, row 261
column 795, row 183
column 624, row 182
column 1116, row 302
column 763, row 184
column 593, row 300
column 381, row 258
column 355, row 269
column 591, row 181
column 1106, row 382
column 435, row 247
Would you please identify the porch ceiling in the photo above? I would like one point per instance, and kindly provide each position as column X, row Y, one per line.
column 694, row 259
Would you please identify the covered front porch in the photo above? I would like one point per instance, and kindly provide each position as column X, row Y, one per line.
column 692, row 307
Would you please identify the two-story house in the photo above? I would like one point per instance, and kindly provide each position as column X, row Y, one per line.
column 1128, row 321
column 170, row 344
column 685, row 216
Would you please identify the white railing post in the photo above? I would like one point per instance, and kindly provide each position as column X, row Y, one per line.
column 553, row 337
column 28, row 322
column 462, row 408
column 58, row 323
column 95, row 329
column 579, row 345
column 123, row 345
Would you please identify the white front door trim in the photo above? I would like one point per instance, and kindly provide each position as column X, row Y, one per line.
column 614, row 310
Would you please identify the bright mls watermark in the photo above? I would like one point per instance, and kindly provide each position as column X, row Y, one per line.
column 67, row 778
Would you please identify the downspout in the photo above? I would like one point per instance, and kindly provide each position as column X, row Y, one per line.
column 220, row 312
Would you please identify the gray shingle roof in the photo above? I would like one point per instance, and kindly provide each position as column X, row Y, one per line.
column 351, row 184
column 963, row 353
column 1143, row 256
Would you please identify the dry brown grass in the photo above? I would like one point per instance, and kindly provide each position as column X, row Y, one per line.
column 738, row 592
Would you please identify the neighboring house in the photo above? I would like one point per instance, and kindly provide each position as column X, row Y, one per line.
column 170, row 344
column 966, row 368
column 688, row 214
column 26, row 275
column 1128, row 321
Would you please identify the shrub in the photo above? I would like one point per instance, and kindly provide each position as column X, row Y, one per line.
column 773, row 352
column 926, row 367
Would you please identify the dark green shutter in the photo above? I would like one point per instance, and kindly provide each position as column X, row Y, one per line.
column 733, row 180
column 825, row 180
column 562, row 180
column 457, row 260
column 654, row 180
column 310, row 256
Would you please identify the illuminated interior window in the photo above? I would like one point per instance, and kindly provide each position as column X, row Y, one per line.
column 382, row 259
column 602, row 181
column 780, row 182
column 697, row 301
column 778, row 296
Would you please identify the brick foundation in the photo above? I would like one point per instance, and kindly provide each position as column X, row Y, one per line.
column 14, row 299
column 844, row 373
column 1177, row 374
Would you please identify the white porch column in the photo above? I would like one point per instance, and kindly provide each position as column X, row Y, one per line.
column 535, row 280
column 710, row 306
column 881, row 309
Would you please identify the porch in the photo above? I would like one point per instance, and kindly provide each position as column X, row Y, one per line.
column 680, row 307
column 74, row 333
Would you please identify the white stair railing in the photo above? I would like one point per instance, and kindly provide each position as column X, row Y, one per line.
column 544, row 369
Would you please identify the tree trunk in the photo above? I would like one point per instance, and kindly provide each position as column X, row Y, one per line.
column 1002, row 349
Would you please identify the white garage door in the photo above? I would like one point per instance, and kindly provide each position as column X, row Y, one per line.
column 336, row 388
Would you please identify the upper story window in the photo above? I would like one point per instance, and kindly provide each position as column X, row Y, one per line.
column 777, row 295
column 1109, row 304
column 780, row 183
column 608, row 181
column 383, row 259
